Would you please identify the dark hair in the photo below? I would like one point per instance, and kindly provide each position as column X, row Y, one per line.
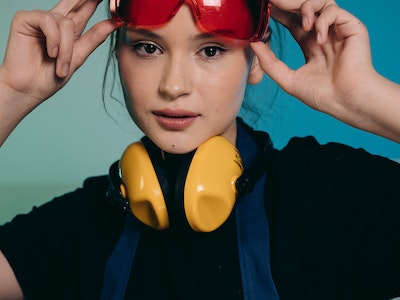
column 111, row 66
column 260, row 98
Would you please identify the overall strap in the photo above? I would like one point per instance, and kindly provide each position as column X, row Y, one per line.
column 253, row 231
column 253, row 246
column 119, row 264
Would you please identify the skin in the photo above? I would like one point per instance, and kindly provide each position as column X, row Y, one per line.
column 182, row 86
column 302, row 10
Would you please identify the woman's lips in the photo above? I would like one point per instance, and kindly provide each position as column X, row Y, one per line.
column 175, row 119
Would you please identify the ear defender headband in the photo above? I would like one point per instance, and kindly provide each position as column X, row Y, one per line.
column 207, row 189
column 239, row 19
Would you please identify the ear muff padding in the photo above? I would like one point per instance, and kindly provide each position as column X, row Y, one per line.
column 208, row 191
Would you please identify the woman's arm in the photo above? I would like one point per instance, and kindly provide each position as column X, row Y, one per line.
column 338, row 77
column 9, row 286
column 44, row 49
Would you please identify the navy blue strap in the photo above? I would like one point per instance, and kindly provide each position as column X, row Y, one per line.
column 253, row 246
column 253, row 231
column 119, row 264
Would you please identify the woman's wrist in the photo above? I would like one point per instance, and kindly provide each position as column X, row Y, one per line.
column 14, row 106
column 374, row 106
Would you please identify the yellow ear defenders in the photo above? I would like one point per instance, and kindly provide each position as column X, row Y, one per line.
column 209, row 187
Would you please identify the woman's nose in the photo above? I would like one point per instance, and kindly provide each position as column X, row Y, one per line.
column 177, row 79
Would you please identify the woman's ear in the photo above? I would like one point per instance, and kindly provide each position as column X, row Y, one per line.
column 256, row 73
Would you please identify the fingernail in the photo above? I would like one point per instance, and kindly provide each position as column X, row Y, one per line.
column 319, row 38
column 55, row 51
column 65, row 70
column 306, row 22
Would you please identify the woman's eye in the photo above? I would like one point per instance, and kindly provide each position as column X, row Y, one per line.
column 146, row 48
column 212, row 51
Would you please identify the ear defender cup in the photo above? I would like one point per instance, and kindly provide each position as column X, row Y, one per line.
column 210, row 186
column 140, row 186
column 209, row 191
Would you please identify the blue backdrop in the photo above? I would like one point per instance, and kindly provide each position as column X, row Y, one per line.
column 289, row 117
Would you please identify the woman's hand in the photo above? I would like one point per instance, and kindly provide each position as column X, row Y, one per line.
column 44, row 49
column 338, row 77
column 337, row 55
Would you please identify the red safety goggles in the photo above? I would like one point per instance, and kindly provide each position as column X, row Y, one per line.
column 239, row 19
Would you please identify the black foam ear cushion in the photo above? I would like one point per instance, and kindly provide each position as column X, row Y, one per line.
column 171, row 171
column 178, row 166
column 203, row 197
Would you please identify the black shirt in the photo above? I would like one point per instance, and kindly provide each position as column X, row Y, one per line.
column 334, row 224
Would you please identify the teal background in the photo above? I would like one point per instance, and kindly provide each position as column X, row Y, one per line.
column 71, row 137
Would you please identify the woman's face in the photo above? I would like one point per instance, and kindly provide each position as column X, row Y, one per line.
column 183, row 86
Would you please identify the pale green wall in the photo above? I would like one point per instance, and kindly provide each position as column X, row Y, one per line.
column 65, row 140
column 70, row 137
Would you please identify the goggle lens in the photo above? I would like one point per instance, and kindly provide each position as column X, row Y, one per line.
column 240, row 19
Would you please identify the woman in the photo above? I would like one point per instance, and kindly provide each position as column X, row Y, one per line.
column 329, row 208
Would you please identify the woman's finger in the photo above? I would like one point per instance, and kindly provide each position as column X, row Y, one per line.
column 272, row 66
column 67, row 29
column 94, row 37
column 80, row 11
column 310, row 9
